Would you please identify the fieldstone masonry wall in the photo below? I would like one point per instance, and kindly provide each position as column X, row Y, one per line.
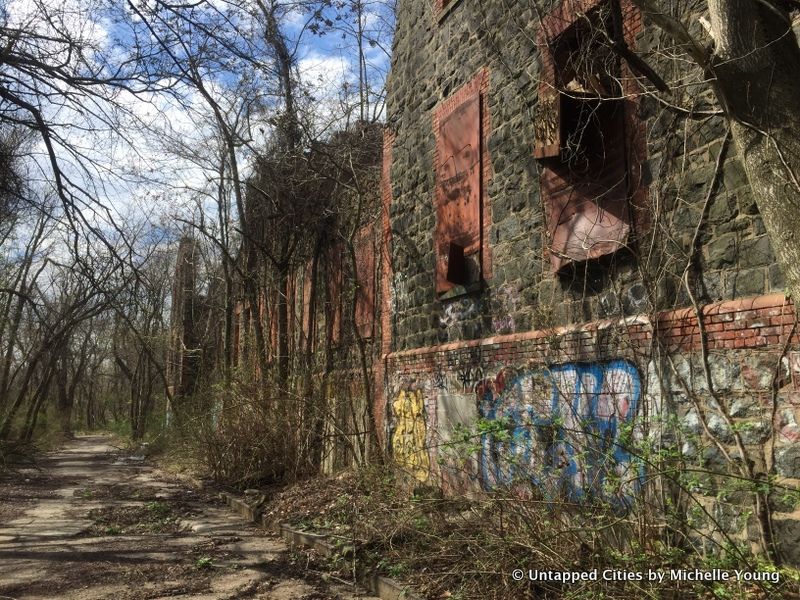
column 432, row 60
column 611, row 340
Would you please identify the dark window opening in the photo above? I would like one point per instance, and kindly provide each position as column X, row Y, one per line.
column 583, row 57
column 581, row 141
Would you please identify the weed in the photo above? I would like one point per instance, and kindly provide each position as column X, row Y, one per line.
column 159, row 510
column 458, row 547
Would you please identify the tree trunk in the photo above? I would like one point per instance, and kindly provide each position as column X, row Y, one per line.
column 64, row 401
column 42, row 391
column 283, row 329
column 757, row 61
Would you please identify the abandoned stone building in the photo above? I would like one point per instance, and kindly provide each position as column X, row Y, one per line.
column 572, row 255
column 557, row 249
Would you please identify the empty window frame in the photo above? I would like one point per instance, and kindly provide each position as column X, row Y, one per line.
column 581, row 140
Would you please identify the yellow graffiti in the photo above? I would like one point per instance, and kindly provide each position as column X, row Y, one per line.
column 408, row 439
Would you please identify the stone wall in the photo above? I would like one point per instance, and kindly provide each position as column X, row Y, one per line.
column 433, row 58
column 567, row 396
column 682, row 332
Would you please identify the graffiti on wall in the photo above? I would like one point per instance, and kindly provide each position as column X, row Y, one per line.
column 438, row 378
column 459, row 310
column 567, row 429
column 467, row 365
column 408, row 439
column 506, row 301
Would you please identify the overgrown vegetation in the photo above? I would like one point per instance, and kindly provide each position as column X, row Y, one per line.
column 469, row 546
column 91, row 330
column 249, row 357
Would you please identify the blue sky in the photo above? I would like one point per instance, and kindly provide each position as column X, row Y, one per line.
column 148, row 155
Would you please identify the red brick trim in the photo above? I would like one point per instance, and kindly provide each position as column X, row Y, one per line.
column 478, row 84
column 764, row 321
column 379, row 408
column 441, row 8
column 744, row 323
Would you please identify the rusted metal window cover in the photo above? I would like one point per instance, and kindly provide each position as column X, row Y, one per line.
column 365, row 277
column 458, row 185
column 586, row 194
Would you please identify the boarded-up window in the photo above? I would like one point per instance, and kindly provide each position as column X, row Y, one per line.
column 580, row 136
column 365, row 279
column 458, row 192
column 586, row 188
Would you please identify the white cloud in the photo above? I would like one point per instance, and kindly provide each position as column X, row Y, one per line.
column 152, row 154
column 324, row 74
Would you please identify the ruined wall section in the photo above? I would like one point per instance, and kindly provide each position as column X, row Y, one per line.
column 438, row 52
column 184, row 356
column 583, row 412
column 579, row 369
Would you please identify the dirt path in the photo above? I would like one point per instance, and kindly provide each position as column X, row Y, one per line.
column 91, row 524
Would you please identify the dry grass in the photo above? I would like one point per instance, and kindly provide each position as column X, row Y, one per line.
column 467, row 548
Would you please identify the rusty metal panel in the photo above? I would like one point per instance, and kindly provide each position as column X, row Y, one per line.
column 586, row 193
column 365, row 278
column 458, row 184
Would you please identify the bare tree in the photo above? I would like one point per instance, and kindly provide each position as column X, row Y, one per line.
column 752, row 62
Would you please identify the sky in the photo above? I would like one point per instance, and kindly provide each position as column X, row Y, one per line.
column 151, row 155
